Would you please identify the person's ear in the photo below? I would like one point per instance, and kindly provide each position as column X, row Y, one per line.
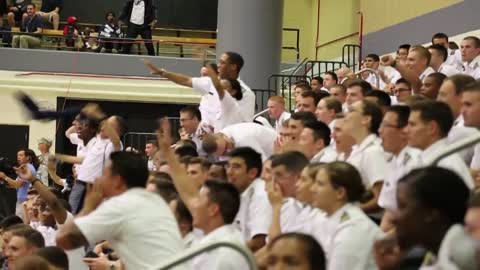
column 341, row 194
column 252, row 173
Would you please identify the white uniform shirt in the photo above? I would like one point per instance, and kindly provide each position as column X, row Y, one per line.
column 347, row 239
column 476, row 158
column 138, row 12
column 247, row 103
column 230, row 113
column 454, row 58
column 95, row 160
column 75, row 256
column 370, row 160
column 221, row 258
column 397, row 167
column 79, row 143
column 452, row 162
column 253, row 135
column 425, row 74
column 150, row 165
column 202, row 129
column 255, row 213
column 448, row 70
column 473, row 69
column 138, row 224
column 210, row 102
column 460, row 131
column 327, row 155
column 372, row 80
column 278, row 123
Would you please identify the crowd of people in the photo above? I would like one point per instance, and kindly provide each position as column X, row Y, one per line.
column 344, row 181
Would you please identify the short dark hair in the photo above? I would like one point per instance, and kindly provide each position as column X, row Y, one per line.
column 333, row 74
column 32, row 4
column 29, row 153
column 187, row 142
column 439, row 35
column 122, row 125
column 460, row 81
column 311, row 94
column 364, row 86
column 404, row 46
column 311, row 248
column 438, row 77
column 333, row 104
column 439, row 112
column 152, row 142
column 475, row 40
column 318, row 78
column 382, row 97
column 402, row 112
column 10, row 221
column 227, row 197
column 303, row 84
column 404, row 81
column 252, row 158
column 193, row 111
column 304, row 117
column 110, row 13
column 32, row 237
column 430, row 186
column 131, row 167
column 186, row 150
column 375, row 57
column 293, row 161
column 371, row 109
column 235, row 59
column 442, row 50
column 204, row 163
column 474, row 200
column 342, row 174
column 183, row 212
column 236, row 86
column 472, row 87
column 342, row 87
column 164, row 185
column 55, row 256
column 320, row 131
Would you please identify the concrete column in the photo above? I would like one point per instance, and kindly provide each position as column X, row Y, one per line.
column 252, row 28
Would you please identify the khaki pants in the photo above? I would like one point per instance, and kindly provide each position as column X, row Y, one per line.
column 25, row 42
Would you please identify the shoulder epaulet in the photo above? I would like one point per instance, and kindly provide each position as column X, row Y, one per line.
column 345, row 217
column 475, row 66
column 406, row 158
column 452, row 52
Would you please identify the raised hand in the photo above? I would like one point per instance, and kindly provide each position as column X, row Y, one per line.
column 24, row 173
column 153, row 69
column 387, row 60
column 274, row 192
column 164, row 134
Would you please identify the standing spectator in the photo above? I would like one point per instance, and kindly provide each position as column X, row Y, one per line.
column 373, row 61
column 329, row 80
column 140, row 18
column 277, row 112
column 317, row 84
column 327, row 108
column 50, row 12
column 32, row 24
column 402, row 90
column 431, row 85
column 110, row 30
column 24, row 157
column 137, row 224
column 44, row 146
column 191, row 121
column 356, row 91
column 307, row 101
column 17, row 12
column 151, row 147
column 339, row 91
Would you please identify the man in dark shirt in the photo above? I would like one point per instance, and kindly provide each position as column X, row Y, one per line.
column 32, row 24
column 139, row 16
column 17, row 12
column 50, row 11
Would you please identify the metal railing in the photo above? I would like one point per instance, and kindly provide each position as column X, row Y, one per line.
column 297, row 46
column 316, row 68
column 137, row 140
column 282, row 85
column 261, row 98
column 371, row 71
column 351, row 56
column 195, row 251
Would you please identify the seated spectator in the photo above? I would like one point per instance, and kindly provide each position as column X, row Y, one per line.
column 297, row 122
column 32, row 262
column 192, row 123
column 161, row 183
column 316, row 84
column 426, row 219
column 277, row 112
column 50, row 11
column 307, row 101
column 109, row 34
column 402, row 90
column 258, row 137
column 471, row 56
column 326, row 110
column 123, row 183
column 315, row 142
column 17, row 12
column 32, row 24
column 348, row 234
column 431, row 85
column 381, row 98
column 357, row 90
column 329, row 80
column 55, row 256
column 343, row 141
column 339, row 91
column 295, row 250
column 197, row 170
column 342, row 74
column 217, row 171
column 373, row 61
column 184, row 218
column 439, row 61
column 186, row 151
column 151, row 147
column 23, row 242
column 454, row 57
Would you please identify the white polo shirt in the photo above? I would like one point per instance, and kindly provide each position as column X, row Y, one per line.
column 138, row 225
column 95, row 160
column 210, row 102
column 397, row 167
column 79, row 143
column 460, row 131
column 255, row 213
column 452, row 162
column 278, row 123
column 369, row 159
column 448, row 70
column 247, row 103
column 230, row 113
column 473, row 69
column 327, row 155
column 347, row 239
column 253, row 135
column 221, row 258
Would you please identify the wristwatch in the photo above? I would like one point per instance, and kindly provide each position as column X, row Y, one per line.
column 112, row 266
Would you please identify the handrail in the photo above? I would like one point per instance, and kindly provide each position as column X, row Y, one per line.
column 454, row 147
column 371, row 71
column 260, row 113
column 193, row 252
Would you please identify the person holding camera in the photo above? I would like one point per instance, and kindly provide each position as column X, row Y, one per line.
column 28, row 158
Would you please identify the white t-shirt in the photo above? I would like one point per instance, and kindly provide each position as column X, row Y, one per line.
column 138, row 12
column 75, row 256
column 230, row 113
column 253, row 135
column 255, row 213
column 138, row 225
column 247, row 103
column 210, row 102
column 370, row 160
column 221, row 258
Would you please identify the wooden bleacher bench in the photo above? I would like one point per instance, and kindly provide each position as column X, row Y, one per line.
column 185, row 41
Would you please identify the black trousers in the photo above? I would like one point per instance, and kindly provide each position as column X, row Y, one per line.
column 145, row 32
